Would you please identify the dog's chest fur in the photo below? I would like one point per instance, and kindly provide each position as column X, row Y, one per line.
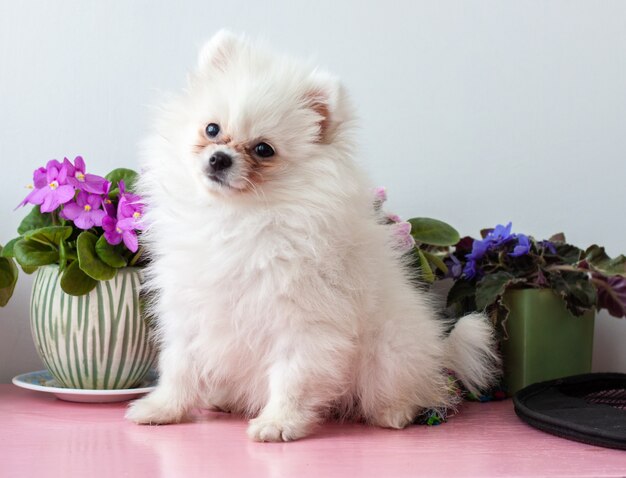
column 237, row 278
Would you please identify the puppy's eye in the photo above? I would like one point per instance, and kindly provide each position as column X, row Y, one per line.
column 212, row 130
column 264, row 150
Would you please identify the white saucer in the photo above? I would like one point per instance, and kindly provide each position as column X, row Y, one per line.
column 43, row 381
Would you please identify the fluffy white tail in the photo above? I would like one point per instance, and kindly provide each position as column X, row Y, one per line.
column 471, row 352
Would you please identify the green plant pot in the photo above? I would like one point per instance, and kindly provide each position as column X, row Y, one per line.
column 542, row 339
column 94, row 341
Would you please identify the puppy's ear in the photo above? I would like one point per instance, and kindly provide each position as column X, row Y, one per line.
column 219, row 50
column 326, row 96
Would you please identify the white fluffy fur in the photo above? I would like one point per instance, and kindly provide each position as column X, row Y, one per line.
column 285, row 302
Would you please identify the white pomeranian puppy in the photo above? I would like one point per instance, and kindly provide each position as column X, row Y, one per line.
column 277, row 292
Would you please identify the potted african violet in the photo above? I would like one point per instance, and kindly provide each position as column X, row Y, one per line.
column 427, row 240
column 542, row 294
column 81, row 241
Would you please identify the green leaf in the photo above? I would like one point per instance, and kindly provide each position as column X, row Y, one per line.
column 491, row 288
column 425, row 269
column 599, row 260
column 460, row 291
column 576, row 289
column 568, row 254
column 433, row 232
column 436, row 261
column 127, row 175
column 89, row 261
column 75, row 282
column 109, row 254
column 34, row 254
column 8, row 279
column 62, row 255
column 7, row 251
column 49, row 235
column 34, row 220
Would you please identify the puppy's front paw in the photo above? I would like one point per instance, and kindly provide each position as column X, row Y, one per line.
column 276, row 429
column 151, row 410
column 395, row 417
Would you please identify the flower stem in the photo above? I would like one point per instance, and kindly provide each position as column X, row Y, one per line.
column 136, row 257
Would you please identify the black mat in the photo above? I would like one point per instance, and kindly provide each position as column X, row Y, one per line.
column 588, row 408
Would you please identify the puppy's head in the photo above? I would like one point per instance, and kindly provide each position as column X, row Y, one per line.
column 258, row 121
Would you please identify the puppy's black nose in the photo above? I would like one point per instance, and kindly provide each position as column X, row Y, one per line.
column 219, row 161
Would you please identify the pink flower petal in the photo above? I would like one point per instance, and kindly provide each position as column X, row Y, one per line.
column 36, row 197
column 113, row 237
column 394, row 217
column 402, row 228
column 64, row 193
column 50, row 202
column 126, row 224
column 109, row 223
column 84, row 221
column 39, row 178
column 61, row 178
column 72, row 210
column 69, row 166
column 130, row 240
column 98, row 216
column 81, row 198
column 94, row 201
column 94, row 184
column 380, row 194
column 79, row 163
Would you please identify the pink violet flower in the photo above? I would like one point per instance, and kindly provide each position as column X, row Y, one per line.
column 380, row 194
column 122, row 227
column 117, row 231
column 402, row 235
column 85, row 211
column 77, row 177
column 393, row 218
column 50, row 187
column 129, row 207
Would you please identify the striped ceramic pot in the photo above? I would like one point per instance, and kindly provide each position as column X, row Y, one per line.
column 95, row 341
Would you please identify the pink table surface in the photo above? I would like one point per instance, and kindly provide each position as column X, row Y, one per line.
column 41, row 436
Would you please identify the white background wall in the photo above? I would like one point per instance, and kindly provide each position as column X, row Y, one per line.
column 474, row 112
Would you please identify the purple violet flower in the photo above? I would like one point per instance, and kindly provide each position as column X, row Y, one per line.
column 547, row 245
column 470, row 270
column 121, row 225
column 523, row 246
column 500, row 234
column 479, row 249
column 130, row 207
column 77, row 177
column 117, row 231
column 50, row 188
column 85, row 212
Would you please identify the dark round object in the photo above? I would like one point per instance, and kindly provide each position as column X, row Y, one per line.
column 589, row 408
column 212, row 130
column 263, row 150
